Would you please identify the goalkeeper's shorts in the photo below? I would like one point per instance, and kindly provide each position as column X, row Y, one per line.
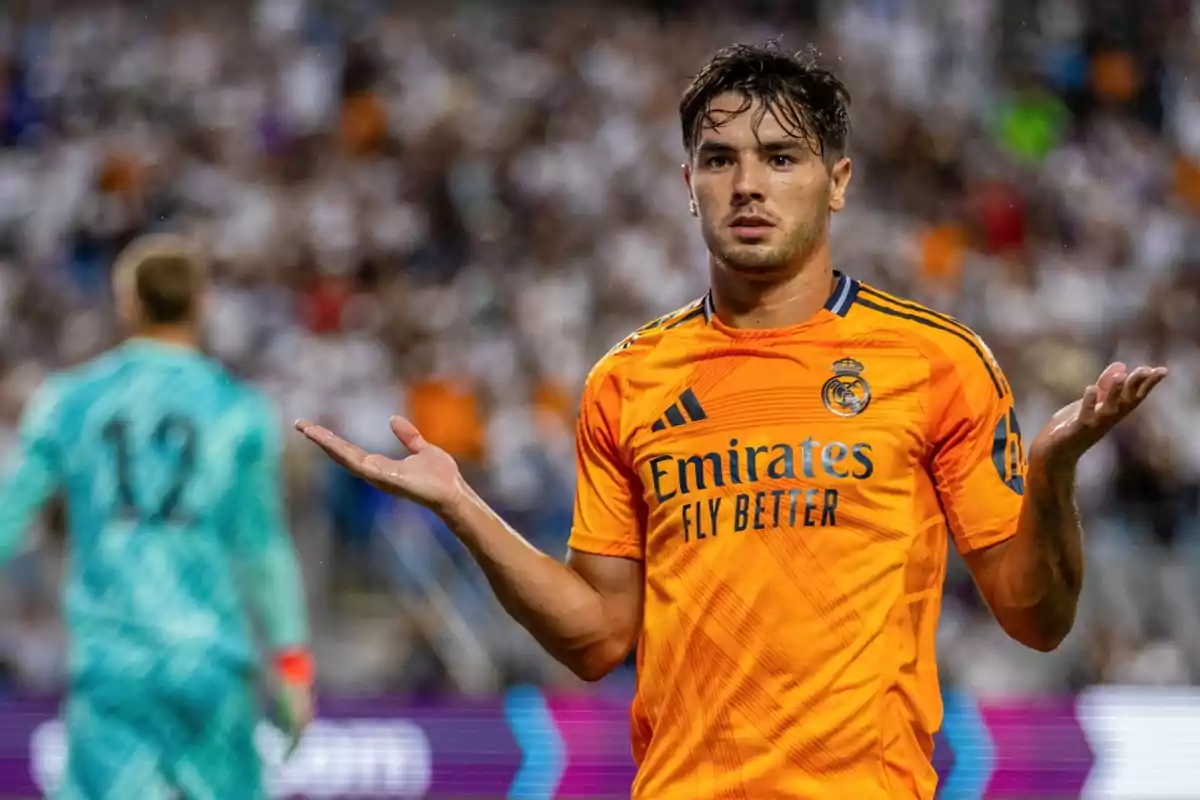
column 127, row 741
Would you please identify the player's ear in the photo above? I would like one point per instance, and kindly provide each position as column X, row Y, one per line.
column 125, row 303
column 839, row 181
column 687, row 179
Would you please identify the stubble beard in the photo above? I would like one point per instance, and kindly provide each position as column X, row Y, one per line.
column 767, row 262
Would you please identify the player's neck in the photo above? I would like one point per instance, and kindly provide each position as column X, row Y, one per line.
column 177, row 335
column 764, row 305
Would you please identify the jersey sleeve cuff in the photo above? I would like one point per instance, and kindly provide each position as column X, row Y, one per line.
column 294, row 665
column 585, row 542
column 981, row 541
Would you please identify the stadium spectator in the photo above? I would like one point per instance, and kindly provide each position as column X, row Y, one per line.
column 455, row 212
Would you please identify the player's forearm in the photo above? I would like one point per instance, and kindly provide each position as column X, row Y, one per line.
column 1043, row 564
column 562, row 611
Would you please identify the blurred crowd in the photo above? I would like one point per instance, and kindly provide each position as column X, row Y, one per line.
column 452, row 212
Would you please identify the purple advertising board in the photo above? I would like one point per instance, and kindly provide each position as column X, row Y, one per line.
column 389, row 747
column 528, row 745
column 1039, row 749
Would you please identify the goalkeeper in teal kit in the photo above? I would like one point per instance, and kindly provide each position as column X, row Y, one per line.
column 170, row 471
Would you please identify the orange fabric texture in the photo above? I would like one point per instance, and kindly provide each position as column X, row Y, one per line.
column 791, row 493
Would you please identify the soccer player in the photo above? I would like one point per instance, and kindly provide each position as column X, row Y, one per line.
column 768, row 479
column 170, row 471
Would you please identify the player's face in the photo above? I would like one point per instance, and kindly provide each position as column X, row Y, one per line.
column 763, row 195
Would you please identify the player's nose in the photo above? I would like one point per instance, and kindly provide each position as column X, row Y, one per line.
column 748, row 185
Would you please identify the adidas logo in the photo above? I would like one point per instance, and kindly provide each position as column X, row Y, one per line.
column 675, row 417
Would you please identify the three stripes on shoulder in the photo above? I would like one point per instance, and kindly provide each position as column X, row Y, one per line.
column 675, row 415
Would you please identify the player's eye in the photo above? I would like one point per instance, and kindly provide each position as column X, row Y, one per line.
column 716, row 162
column 779, row 160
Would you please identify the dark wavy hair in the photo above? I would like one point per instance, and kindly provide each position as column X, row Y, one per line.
column 807, row 99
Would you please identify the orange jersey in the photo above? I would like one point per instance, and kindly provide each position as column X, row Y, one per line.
column 789, row 492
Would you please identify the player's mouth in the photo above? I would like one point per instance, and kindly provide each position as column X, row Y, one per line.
column 749, row 226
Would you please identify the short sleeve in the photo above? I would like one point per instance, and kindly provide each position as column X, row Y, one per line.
column 978, row 462
column 609, row 520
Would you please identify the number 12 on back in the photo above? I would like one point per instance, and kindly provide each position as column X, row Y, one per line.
column 172, row 435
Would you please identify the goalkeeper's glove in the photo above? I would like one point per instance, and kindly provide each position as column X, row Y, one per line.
column 294, row 669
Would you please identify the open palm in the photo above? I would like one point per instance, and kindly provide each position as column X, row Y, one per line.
column 1078, row 426
column 428, row 475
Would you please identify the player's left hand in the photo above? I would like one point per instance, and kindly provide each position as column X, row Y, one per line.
column 297, row 709
column 1077, row 427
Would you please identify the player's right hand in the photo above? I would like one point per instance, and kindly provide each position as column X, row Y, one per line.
column 428, row 475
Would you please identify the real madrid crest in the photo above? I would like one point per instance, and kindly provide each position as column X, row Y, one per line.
column 847, row 393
